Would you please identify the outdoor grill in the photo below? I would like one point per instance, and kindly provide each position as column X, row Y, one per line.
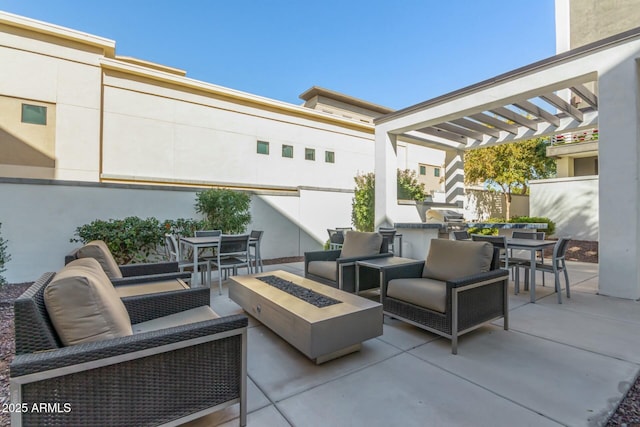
column 449, row 219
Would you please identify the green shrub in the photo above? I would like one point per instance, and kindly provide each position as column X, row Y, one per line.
column 551, row 226
column 130, row 240
column 408, row 186
column 4, row 258
column 224, row 209
column 363, row 203
column 183, row 226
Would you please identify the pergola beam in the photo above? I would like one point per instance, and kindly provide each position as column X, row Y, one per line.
column 460, row 131
column 586, row 95
column 487, row 119
column 515, row 117
column 445, row 135
column 470, row 124
column 540, row 113
column 563, row 105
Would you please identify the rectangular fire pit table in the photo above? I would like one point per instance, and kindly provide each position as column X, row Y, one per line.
column 321, row 333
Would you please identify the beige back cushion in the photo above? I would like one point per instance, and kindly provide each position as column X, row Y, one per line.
column 452, row 259
column 84, row 306
column 98, row 249
column 357, row 244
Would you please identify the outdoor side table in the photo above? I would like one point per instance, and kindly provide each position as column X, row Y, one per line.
column 378, row 264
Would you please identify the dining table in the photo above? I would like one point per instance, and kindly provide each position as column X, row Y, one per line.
column 197, row 243
column 532, row 246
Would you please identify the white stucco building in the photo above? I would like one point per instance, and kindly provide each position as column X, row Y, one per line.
column 76, row 116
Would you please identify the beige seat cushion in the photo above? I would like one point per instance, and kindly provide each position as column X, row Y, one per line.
column 326, row 269
column 150, row 288
column 84, row 306
column 452, row 259
column 199, row 314
column 359, row 244
column 427, row 293
column 98, row 249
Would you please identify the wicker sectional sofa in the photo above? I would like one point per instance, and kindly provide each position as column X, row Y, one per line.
column 154, row 359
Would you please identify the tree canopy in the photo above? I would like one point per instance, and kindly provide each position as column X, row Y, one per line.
column 509, row 167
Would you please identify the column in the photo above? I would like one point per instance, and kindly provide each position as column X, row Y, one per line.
column 386, row 161
column 454, row 178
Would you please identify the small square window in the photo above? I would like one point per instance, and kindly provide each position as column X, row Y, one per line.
column 287, row 151
column 263, row 147
column 329, row 157
column 436, row 172
column 309, row 154
column 34, row 114
column 423, row 170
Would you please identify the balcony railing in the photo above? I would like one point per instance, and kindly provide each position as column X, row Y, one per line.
column 588, row 135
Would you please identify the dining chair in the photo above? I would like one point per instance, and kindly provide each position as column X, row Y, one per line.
column 336, row 238
column 207, row 233
column 557, row 266
column 233, row 253
column 538, row 235
column 389, row 234
column 507, row 263
column 461, row 235
column 173, row 252
column 255, row 238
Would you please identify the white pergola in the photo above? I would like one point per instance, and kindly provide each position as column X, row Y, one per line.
column 532, row 102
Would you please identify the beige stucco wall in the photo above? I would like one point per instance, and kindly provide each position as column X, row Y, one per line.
column 593, row 20
column 61, row 73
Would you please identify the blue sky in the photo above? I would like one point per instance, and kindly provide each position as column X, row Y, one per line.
column 393, row 53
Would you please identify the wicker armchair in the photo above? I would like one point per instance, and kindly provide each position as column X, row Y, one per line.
column 170, row 375
column 337, row 267
column 130, row 273
column 453, row 306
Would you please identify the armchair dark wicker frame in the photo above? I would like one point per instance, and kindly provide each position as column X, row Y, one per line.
column 471, row 301
column 164, row 377
column 143, row 272
column 346, row 267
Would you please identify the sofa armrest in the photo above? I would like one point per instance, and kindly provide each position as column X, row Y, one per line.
column 146, row 269
column 402, row 271
column 360, row 258
column 133, row 280
column 489, row 277
column 322, row 255
column 90, row 352
column 151, row 306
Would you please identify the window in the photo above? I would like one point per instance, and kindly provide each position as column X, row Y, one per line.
column 263, row 147
column 309, row 154
column 436, row 171
column 287, row 151
column 329, row 157
column 34, row 114
column 423, row 170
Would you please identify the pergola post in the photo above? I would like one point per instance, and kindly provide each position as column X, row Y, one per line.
column 386, row 165
column 619, row 180
column 454, row 177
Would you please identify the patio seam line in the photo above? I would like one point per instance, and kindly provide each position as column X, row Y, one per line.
column 489, row 390
column 602, row 316
column 345, row 374
column 271, row 402
column 576, row 347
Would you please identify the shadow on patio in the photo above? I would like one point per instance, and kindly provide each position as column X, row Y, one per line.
column 568, row 364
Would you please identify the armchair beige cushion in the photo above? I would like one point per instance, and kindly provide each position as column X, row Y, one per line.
column 326, row 269
column 428, row 293
column 98, row 249
column 357, row 244
column 452, row 259
column 84, row 306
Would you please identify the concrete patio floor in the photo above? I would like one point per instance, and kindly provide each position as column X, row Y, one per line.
column 568, row 364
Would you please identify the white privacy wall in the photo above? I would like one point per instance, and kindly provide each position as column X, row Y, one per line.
column 41, row 218
column 572, row 203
